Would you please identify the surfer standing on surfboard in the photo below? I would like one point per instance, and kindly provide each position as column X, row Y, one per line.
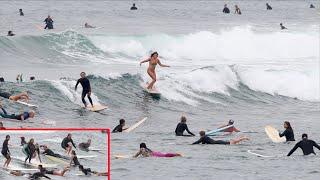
column 65, row 143
column 86, row 88
column 5, row 151
column 153, row 61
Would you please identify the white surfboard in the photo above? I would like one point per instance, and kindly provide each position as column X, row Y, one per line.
column 131, row 128
column 152, row 91
column 122, row 156
column 257, row 154
column 273, row 134
column 219, row 130
column 96, row 107
column 15, row 168
column 35, row 163
column 95, row 149
column 26, row 104
column 86, row 156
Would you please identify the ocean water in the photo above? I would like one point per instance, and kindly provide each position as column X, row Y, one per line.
column 223, row 66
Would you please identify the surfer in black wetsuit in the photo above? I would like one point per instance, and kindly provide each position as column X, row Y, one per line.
column 268, row 6
column 65, row 144
column 88, row 171
column 312, row 6
column 10, row 33
column 84, row 146
column 23, row 141
column 5, row 151
column 49, row 23
column 282, row 26
column 47, row 151
column 306, row 145
column 226, row 10
column 288, row 133
column 120, row 128
column 54, row 171
column 39, row 174
column 74, row 159
column 182, row 126
column 30, row 149
column 237, row 10
column 21, row 12
column 86, row 88
column 22, row 117
column 22, row 96
column 207, row 140
column 133, row 7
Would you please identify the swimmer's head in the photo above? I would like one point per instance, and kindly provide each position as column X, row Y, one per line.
column 7, row 137
column 83, row 74
column 143, row 145
column 230, row 122
column 154, row 54
column 183, row 119
column 69, row 136
column 304, row 136
column 202, row 133
column 122, row 121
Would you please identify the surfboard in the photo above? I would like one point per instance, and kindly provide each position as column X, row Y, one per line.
column 96, row 108
column 15, row 168
column 216, row 131
column 259, row 155
column 152, row 91
column 86, row 156
column 273, row 134
column 131, row 128
column 95, row 149
column 57, row 160
column 26, row 104
column 34, row 163
column 122, row 156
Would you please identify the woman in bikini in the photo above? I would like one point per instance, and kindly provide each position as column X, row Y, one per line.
column 153, row 61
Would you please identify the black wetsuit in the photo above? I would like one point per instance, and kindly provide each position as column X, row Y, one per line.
column 5, row 95
column 38, row 175
column 117, row 129
column 226, row 10
column 76, row 161
column 84, row 146
column 208, row 140
column 5, row 149
column 30, row 150
column 133, row 8
column 181, row 127
column 51, row 153
column 269, row 7
column 306, row 145
column 87, row 171
column 288, row 133
column 49, row 23
column 13, row 116
column 86, row 88
column 65, row 141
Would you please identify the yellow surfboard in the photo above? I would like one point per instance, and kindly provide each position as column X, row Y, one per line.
column 273, row 134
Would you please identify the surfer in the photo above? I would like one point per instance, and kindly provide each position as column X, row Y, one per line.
column 1, row 126
column 237, row 10
column 39, row 174
column 120, row 128
column 23, row 141
column 146, row 152
column 21, row 12
column 288, row 133
column 22, row 117
column 306, row 145
column 153, row 61
column 19, row 78
column 207, row 140
column 85, row 145
column 47, row 151
column 10, row 33
column 54, row 171
column 5, row 151
column 49, row 23
column 230, row 129
column 65, row 143
column 22, row 96
column 86, row 25
column 182, row 126
column 226, row 10
column 31, row 150
column 312, row 6
column 88, row 171
column 282, row 26
column 268, row 6
column 86, row 88
column 74, row 159
column 19, row 173
column 133, row 7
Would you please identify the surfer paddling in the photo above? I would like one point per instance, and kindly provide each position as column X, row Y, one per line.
column 49, row 152
column 88, row 171
column 230, row 129
column 5, row 151
column 86, row 88
column 306, row 145
column 84, row 146
column 207, row 140
column 22, row 96
column 153, row 61
column 23, row 116
column 146, row 152
column 120, row 128
column 65, row 144
column 182, row 126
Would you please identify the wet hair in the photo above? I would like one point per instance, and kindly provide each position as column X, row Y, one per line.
column 31, row 140
column 304, row 136
column 69, row 134
column 183, row 119
column 22, row 137
column 7, row 136
column 288, row 124
column 152, row 54
column 143, row 145
column 231, row 122
column 83, row 73
column 202, row 133
column 121, row 121
column 1, row 79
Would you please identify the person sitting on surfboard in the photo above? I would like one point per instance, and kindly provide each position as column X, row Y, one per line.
column 22, row 96
column 288, row 133
column 207, row 140
column 86, row 88
column 1, row 126
column 230, row 129
column 74, row 159
column 182, row 126
column 54, row 171
column 88, row 171
column 5, row 151
column 146, row 152
column 85, row 145
column 65, row 143
column 306, row 145
column 153, row 61
column 47, row 151
column 23, row 116
column 120, row 128
column 49, row 23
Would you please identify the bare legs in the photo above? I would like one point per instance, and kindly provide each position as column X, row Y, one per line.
column 153, row 76
column 7, row 162
column 237, row 140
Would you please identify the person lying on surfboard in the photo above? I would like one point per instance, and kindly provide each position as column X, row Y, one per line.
column 88, row 171
column 84, row 146
column 47, row 151
column 153, row 61
column 22, row 96
column 230, row 129
column 182, row 126
column 120, row 128
column 65, row 143
column 39, row 175
column 288, row 133
column 306, row 145
column 23, row 116
column 86, row 88
column 146, row 152
column 19, row 173
column 55, row 172
column 5, row 151
column 207, row 140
